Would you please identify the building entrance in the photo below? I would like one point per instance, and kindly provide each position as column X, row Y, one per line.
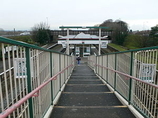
column 82, row 50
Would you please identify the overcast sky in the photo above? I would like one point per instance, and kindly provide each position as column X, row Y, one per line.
column 24, row 14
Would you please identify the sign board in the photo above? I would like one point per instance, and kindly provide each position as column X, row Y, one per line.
column 104, row 45
column 20, row 70
column 147, row 72
column 10, row 48
column 20, row 67
column 63, row 44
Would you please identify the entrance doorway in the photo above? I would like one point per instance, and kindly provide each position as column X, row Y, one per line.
column 82, row 50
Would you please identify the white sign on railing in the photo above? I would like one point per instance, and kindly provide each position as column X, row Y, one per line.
column 10, row 48
column 147, row 72
column 20, row 70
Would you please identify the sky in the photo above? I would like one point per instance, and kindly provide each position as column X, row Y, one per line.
column 25, row 14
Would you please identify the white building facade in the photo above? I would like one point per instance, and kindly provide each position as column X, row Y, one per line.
column 84, row 41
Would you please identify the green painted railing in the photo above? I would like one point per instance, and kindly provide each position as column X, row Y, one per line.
column 31, row 78
column 133, row 74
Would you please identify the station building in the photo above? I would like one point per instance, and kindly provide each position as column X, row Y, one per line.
column 82, row 44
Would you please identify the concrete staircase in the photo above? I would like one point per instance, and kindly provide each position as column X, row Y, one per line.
column 85, row 96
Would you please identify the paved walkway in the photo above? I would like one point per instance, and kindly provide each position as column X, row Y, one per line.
column 85, row 96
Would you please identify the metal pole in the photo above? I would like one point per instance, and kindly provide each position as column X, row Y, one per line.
column 29, row 81
column 115, row 72
column 83, row 49
column 130, row 82
column 51, row 74
column 99, row 40
column 67, row 48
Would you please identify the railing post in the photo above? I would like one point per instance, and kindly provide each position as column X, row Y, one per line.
column 107, row 70
column 95, row 63
column 102, row 68
column 66, row 70
column 67, row 63
column 130, row 81
column 29, row 85
column 60, row 70
column 115, row 72
column 51, row 74
column 96, row 67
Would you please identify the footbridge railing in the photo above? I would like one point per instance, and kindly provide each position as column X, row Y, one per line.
column 133, row 75
column 31, row 78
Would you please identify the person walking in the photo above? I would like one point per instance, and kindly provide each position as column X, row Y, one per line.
column 78, row 60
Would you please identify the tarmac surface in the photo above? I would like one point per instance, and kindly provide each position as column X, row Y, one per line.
column 86, row 96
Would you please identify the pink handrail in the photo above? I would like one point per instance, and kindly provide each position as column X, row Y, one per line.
column 8, row 111
column 129, row 76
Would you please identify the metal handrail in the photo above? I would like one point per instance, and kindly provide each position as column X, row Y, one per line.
column 111, row 68
column 133, row 50
column 35, row 92
column 129, row 76
column 20, row 43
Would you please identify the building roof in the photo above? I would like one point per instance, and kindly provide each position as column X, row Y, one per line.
column 82, row 36
column 84, row 27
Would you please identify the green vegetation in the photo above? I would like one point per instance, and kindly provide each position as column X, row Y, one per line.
column 154, row 31
column 154, row 35
column 41, row 33
column 24, row 38
column 135, row 41
column 0, row 53
column 119, row 30
column 117, row 47
column 121, row 35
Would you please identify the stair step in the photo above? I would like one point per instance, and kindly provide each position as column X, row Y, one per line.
column 84, row 77
column 86, row 96
column 111, row 112
column 90, row 107
column 85, row 82
column 86, row 88
column 88, row 99
column 85, row 92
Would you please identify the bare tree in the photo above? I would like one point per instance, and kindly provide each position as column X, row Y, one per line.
column 41, row 33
